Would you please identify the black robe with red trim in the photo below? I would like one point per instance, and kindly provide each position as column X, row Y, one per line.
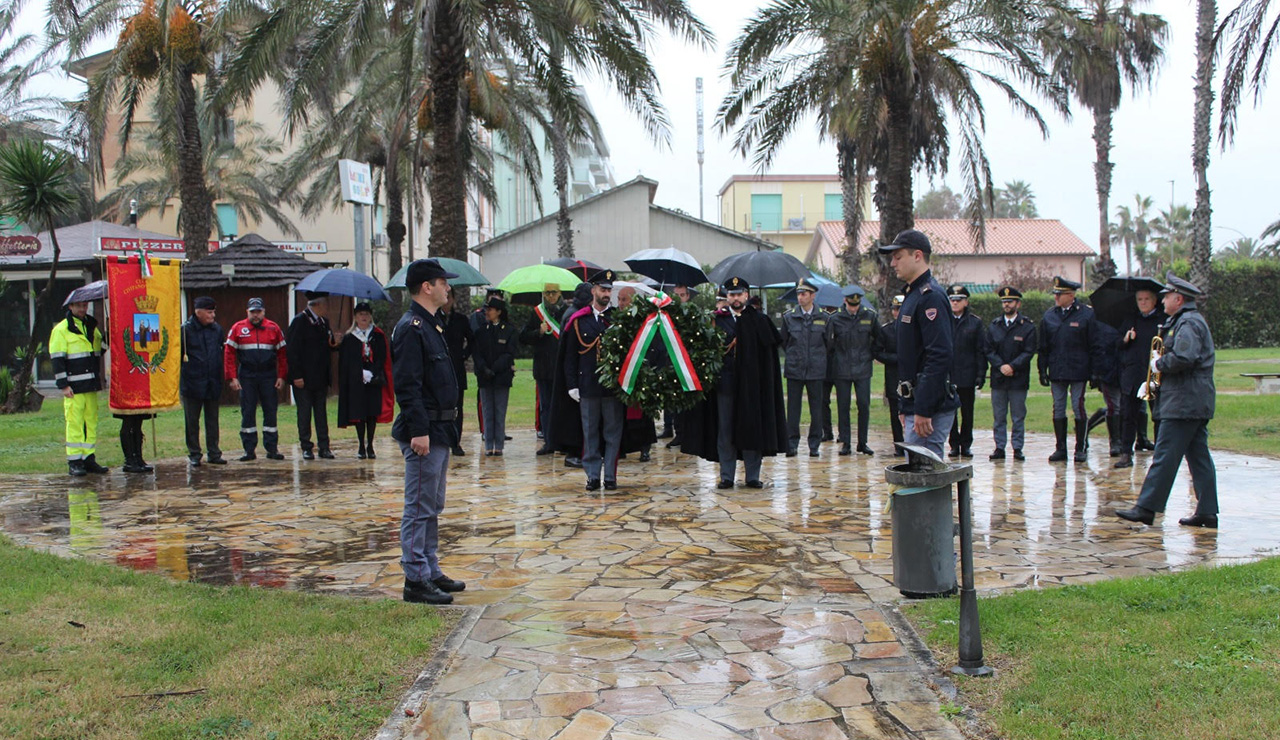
column 357, row 400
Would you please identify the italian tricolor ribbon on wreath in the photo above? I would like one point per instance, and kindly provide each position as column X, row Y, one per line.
column 545, row 315
column 658, row 324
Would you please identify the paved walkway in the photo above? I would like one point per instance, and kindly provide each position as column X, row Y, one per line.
column 666, row 609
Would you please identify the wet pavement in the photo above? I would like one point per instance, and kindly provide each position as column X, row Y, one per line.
column 665, row 609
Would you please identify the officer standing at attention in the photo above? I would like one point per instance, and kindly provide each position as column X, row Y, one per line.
column 311, row 342
column 889, row 357
column 968, row 366
column 1068, row 357
column 602, row 414
column 1012, row 344
column 855, row 338
column 1185, row 406
column 255, row 363
column 75, row 349
column 804, row 342
column 927, row 399
column 427, row 393
column 542, row 333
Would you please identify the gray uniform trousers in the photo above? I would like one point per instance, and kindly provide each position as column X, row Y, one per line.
column 813, row 389
column 1060, row 390
column 1181, row 438
column 1006, row 403
column 942, row 424
column 609, row 413
column 424, row 483
column 725, row 449
column 493, row 407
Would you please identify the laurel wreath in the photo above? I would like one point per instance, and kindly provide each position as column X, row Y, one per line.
column 657, row 387
column 157, row 360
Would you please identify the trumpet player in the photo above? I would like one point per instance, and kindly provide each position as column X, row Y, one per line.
column 1184, row 408
column 1136, row 333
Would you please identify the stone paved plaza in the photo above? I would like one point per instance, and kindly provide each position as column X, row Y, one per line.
column 666, row 609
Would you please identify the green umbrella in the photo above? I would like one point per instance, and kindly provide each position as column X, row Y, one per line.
column 534, row 278
column 467, row 275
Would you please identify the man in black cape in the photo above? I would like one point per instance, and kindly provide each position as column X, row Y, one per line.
column 744, row 418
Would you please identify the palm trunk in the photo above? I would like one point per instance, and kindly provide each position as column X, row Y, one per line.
column 1105, row 267
column 560, row 165
column 896, row 205
column 847, row 161
column 197, row 204
column 395, row 211
column 448, row 185
column 17, row 400
column 1201, row 218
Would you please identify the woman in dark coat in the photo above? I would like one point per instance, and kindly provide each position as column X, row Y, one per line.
column 365, row 395
column 495, row 365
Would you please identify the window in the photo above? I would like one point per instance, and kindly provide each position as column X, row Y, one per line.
column 833, row 207
column 228, row 223
column 766, row 213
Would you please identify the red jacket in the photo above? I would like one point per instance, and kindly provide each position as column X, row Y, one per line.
column 256, row 351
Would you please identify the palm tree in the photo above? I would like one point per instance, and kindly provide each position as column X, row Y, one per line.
column 1270, row 232
column 1244, row 248
column 1016, row 200
column 1096, row 53
column 21, row 114
column 1124, row 233
column 1252, row 41
column 890, row 81
column 35, row 188
column 1202, row 126
column 1172, row 235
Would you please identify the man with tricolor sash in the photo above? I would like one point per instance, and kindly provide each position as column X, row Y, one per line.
column 542, row 333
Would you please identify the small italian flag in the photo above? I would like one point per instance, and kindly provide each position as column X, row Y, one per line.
column 144, row 262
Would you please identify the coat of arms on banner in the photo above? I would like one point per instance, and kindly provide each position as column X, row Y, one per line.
column 146, row 341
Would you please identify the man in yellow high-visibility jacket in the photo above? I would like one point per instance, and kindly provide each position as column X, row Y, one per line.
column 75, row 347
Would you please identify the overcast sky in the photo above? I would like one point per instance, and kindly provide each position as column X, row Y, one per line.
column 1152, row 153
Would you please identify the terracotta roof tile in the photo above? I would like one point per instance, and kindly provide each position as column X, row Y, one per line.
column 1005, row 236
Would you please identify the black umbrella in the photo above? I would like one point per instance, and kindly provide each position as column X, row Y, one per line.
column 581, row 268
column 94, row 291
column 668, row 265
column 1116, row 298
column 760, row 268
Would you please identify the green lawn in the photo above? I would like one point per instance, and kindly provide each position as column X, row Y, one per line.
column 1186, row 656
column 79, row 640
column 31, row 443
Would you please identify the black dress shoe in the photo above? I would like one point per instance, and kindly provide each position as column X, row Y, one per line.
column 573, row 462
column 828, row 438
column 194, row 460
column 724, row 483
column 372, row 455
column 966, row 453
column 1199, row 520
column 544, row 450
column 1125, row 461
column 217, row 461
column 611, row 485
column 1017, row 455
column 91, row 466
column 866, row 450
column 675, row 442
column 997, row 455
column 1137, row 514
column 275, row 456
column 507, row 438
column 845, row 449
column 306, row 455
column 792, row 453
column 448, row 585
column 754, row 484
column 326, row 454
column 813, row 453
column 645, row 456
column 361, row 454
column 246, row 457
column 593, row 484
column 425, row 592
column 953, row 452
column 457, row 451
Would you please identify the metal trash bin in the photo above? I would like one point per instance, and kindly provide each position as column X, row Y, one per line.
column 924, row 553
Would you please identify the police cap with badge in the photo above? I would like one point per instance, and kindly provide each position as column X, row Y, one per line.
column 1009, row 293
column 806, row 284
column 956, row 292
column 1063, row 285
column 735, row 284
column 1175, row 284
column 602, row 278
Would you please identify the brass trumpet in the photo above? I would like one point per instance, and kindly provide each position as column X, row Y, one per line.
column 1149, row 388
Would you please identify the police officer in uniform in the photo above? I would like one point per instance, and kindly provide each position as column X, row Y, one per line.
column 602, row 414
column 855, row 338
column 968, row 366
column 1068, row 359
column 75, row 349
column 928, row 401
column 1012, row 344
column 255, row 363
column 1185, row 406
column 427, row 393
column 542, row 333
column 804, row 342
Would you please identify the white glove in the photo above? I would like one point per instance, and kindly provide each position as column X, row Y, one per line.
column 368, row 376
column 1144, row 392
column 576, row 395
column 1154, row 359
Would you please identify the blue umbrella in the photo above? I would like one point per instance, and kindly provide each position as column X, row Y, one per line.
column 342, row 281
column 815, row 277
column 828, row 296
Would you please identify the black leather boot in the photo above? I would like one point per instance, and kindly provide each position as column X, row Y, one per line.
column 75, row 468
column 91, row 465
column 1082, row 441
column 1059, row 431
column 1113, row 432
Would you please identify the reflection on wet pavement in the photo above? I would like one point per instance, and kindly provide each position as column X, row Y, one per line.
column 665, row 609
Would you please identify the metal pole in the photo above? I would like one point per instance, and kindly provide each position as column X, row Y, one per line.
column 359, row 222
column 970, row 647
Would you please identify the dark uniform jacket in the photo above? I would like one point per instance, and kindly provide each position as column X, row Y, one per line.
column 888, row 355
column 1186, row 369
column 544, row 345
column 804, row 340
column 969, row 353
column 460, row 340
column 255, row 351
column 924, row 349
column 495, row 358
column 309, row 350
column 1011, row 344
column 582, row 335
column 853, row 339
column 358, row 400
column 75, row 351
column 423, row 375
column 1068, row 343
column 1135, row 357
column 1107, row 371
column 201, row 376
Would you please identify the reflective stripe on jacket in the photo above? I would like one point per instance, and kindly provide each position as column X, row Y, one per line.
column 76, row 358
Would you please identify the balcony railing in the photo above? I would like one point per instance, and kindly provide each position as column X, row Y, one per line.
column 775, row 223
